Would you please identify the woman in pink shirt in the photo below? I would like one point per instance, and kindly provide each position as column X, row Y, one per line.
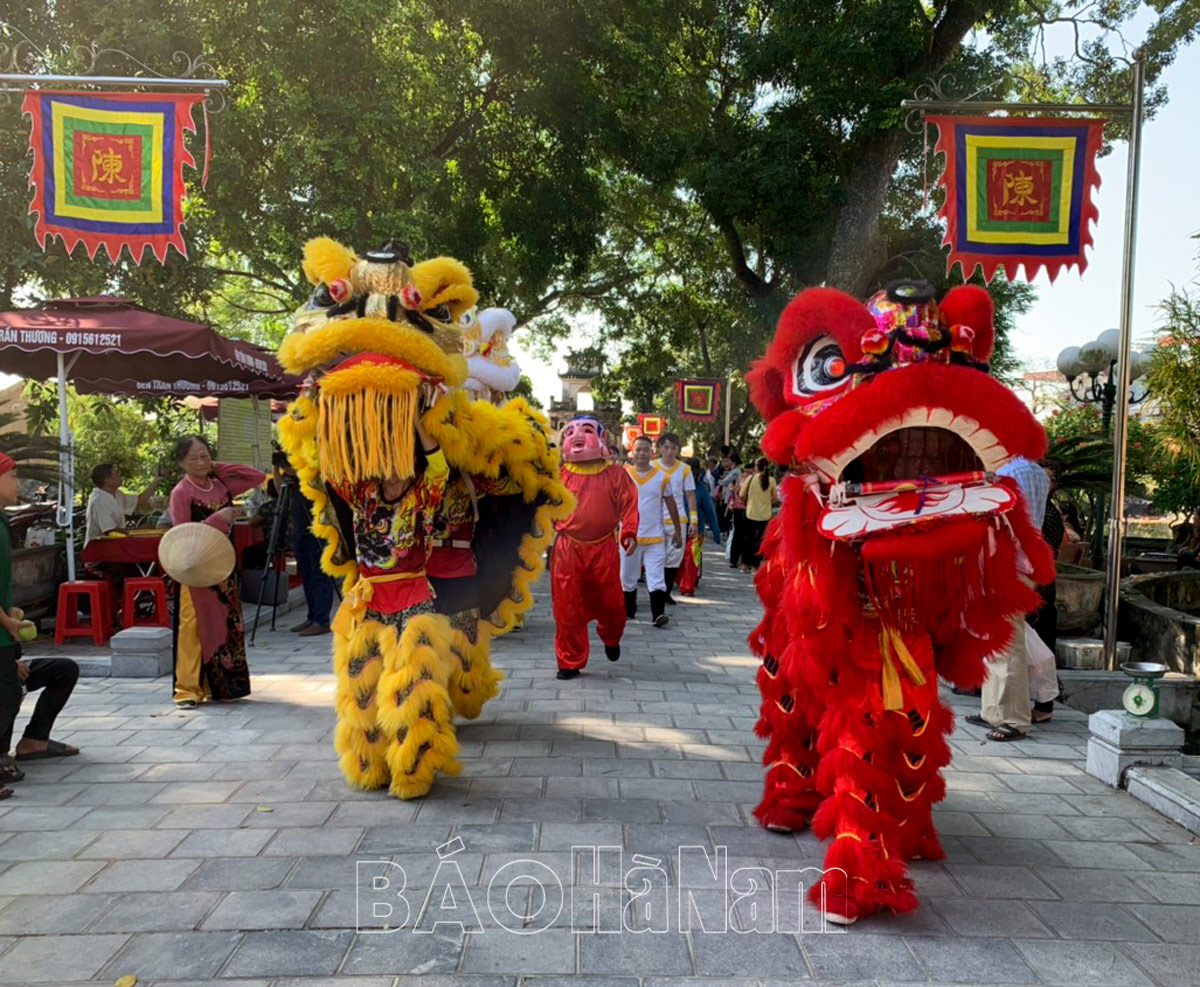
column 210, row 645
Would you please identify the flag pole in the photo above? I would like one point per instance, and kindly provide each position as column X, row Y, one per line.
column 728, row 404
column 66, row 469
column 1120, row 432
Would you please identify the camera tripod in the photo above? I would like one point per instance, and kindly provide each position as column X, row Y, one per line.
column 275, row 546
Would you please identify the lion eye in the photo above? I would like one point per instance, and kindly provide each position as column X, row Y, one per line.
column 467, row 319
column 821, row 367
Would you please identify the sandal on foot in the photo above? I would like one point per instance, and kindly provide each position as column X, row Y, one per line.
column 977, row 721
column 1041, row 717
column 1005, row 733
column 6, row 793
column 54, row 748
column 9, row 771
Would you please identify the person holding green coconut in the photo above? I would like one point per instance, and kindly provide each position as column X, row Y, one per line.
column 55, row 677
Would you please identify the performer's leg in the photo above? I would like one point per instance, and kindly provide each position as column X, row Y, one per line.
column 361, row 745
column 607, row 606
column 415, row 711
column 569, row 575
column 631, row 569
column 790, row 796
column 656, row 583
column 1006, row 699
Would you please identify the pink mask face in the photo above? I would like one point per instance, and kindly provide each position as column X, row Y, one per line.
column 582, row 442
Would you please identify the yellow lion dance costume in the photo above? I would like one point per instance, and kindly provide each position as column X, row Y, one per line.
column 380, row 345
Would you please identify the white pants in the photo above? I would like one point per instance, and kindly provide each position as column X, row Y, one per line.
column 651, row 556
column 672, row 556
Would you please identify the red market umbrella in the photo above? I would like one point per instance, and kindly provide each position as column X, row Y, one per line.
column 109, row 345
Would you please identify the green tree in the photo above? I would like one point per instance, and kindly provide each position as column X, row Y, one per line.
column 1175, row 370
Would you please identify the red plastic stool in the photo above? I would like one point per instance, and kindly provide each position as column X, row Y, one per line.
column 145, row 584
column 67, row 622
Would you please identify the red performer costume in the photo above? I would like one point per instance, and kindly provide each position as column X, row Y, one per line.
column 585, row 570
column 899, row 556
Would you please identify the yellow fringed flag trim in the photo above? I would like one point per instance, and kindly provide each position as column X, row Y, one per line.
column 891, row 640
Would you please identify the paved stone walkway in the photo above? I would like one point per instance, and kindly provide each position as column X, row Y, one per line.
column 220, row 846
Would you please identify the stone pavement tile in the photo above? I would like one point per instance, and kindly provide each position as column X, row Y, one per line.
column 615, row 767
column 972, row 961
column 458, row 810
column 1081, row 853
column 625, row 810
column 837, row 955
column 278, row 909
column 122, row 844
column 290, row 953
column 156, row 911
column 1173, row 923
column 271, row 792
column 730, row 954
column 958, row 824
column 563, row 836
column 41, row 959
column 523, row 787
column 696, row 770
column 109, row 817
column 142, row 875
column 225, row 843
column 60, row 913
column 584, row 980
column 1161, row 830
column 1021, row 826
column 241, row 874
column 36, row 790
column 210, row 817
column 289, row 815
column 988, row 917
column 197, row 792
column 1159, row 856
column 413, row 837
column 924, row 921
column 333, row 982
column 174, row 772
column 43, row 817
column 1005, row 852
column 688, row 813
column 1091, row 885
column 119, row 793
column 552, row 951
column 986, row 881
column 92, row 773
column 548, row 766
column 404, row 952
column 1169, row 889
column 54, row 845
column 510, row 837
column 633, row 953
column 580, row 787
column 1081, row 963
column 1103, row 830
column 260, row 769
column 48, row 876
column 313, row 839
column 565, row 810
column 1082, row 920
column 1114, row 803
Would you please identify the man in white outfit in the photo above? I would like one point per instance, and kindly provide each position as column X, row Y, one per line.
column 681, row 485
column 653, row 494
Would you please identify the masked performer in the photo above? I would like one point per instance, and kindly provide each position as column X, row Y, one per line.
column 585, row 571
column 654, row 497
column 899, row 555
column 374, row 435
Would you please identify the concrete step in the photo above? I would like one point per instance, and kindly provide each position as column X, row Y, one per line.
column 1169, row 792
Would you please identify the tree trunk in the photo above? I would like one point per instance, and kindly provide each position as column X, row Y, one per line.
column 858, row 251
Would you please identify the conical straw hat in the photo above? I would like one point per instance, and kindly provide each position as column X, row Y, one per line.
column 196, row 554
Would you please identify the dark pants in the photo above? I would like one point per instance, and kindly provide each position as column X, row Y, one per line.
column 752, row 534
column 56, row 678
column 739, row 536
column 318, row 586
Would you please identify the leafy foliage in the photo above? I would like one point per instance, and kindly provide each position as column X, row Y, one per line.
column 1175, row 370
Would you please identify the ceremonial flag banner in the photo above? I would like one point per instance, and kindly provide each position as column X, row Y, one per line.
column 652, row 425
column 698, row 399
column 108, row 169
column 1018, row 192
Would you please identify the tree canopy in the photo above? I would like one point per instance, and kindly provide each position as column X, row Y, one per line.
column 676, row 169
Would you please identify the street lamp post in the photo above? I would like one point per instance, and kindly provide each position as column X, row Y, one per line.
column 1107, row 379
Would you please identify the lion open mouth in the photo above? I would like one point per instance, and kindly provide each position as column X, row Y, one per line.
column 934, row 467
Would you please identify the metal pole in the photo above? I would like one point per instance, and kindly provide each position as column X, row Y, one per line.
column 115, row 80
column 66, row 469
column 983, row 106
column 728, row 404
column 1116, row 515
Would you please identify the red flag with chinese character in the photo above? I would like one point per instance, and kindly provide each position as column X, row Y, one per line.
column 108, row 169
column 698, row 399
column 1018, row 192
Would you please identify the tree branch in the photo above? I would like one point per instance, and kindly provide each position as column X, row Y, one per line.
column 755, row 286
column 289, row 289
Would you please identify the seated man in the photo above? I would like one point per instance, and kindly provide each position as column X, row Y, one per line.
column 109, row 505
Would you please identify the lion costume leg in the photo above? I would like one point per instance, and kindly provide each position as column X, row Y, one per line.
column 360, row 744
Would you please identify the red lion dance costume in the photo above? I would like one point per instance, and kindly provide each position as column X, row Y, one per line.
column 898, row 556
column 585, row 570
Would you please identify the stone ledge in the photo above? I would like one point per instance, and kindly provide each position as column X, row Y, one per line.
column 1131, row 733
column 1092, row 691
column 1169, row 792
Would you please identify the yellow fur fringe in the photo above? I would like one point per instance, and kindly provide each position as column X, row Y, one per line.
column 326, row 260
column 301, row 352
column 367, row 434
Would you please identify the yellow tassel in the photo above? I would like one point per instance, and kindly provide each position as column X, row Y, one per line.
column 367, row 435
